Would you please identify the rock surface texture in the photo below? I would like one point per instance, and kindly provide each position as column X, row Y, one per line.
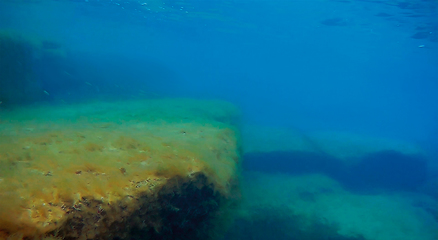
column 149, row 169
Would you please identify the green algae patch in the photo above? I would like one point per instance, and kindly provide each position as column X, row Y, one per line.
column 117, row 169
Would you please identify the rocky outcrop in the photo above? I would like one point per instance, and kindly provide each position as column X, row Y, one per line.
column 153, row 169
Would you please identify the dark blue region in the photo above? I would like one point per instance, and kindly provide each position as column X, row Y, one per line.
column 282, row 224
column 385, row 170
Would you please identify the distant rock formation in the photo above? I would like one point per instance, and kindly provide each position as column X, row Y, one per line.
column 17, row 83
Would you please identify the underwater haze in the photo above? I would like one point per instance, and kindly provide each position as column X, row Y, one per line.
column 338, row 98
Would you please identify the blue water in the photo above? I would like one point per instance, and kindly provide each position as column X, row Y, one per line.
column 363, row 67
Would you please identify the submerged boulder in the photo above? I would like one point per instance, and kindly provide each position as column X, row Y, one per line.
column 17, row 82
column 360, row 163
column 153, row 169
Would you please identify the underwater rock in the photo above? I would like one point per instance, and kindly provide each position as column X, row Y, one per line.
column 388, row 170
column 315, row 206
column 359, row 163
column 293, row 162
column 122, row 170
column 274, row 222
column 346, row 146
column 21, row 62
column 17, row 82
column 352, row 147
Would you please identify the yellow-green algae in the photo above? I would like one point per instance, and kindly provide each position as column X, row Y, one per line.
column 52, row 157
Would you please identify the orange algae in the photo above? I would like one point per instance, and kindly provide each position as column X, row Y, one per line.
column 69, row 169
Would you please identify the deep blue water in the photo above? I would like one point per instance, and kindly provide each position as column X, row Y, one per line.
column 368, row 67
column 343, row 65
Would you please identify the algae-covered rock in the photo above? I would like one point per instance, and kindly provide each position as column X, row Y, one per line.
column 117, row 170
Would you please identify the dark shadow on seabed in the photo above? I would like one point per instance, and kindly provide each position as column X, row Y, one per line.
column 385, row 170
